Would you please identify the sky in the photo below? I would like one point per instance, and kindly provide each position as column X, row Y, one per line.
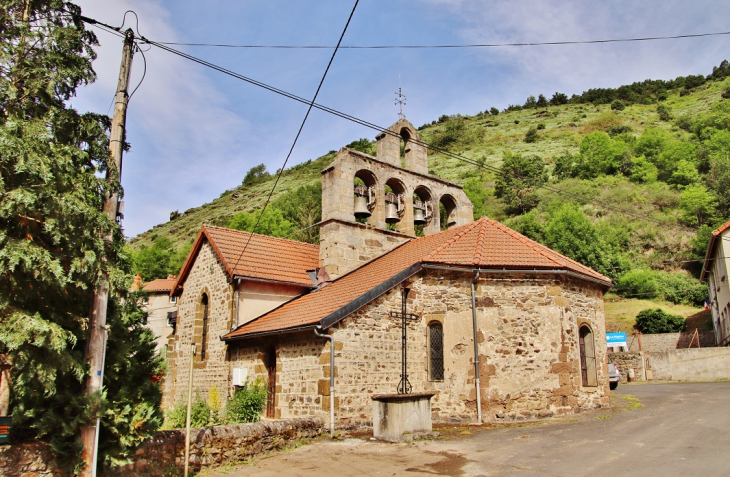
column 195, row 132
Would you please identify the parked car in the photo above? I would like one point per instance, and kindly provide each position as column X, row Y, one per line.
column 614, row 376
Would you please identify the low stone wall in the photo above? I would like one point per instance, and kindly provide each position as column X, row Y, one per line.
column 164, row 453
column 695, row 364
column 626, row 361
column 658, row 342
column 31, row 459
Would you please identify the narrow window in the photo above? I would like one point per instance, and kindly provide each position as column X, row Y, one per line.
column 587, row 357
column 436, row 351
column 204, row 341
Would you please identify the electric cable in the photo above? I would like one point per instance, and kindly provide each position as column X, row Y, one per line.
column 301, row 127
column 381, row 129
column 424, row 47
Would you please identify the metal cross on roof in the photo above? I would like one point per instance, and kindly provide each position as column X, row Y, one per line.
column 400, row 100
column 404, row 386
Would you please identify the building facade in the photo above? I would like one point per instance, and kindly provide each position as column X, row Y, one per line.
column 497, row 321
column 714, row 272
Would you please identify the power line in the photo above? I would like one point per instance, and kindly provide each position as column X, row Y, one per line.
column 367, row 124
column 425, row 47
column 296, row 138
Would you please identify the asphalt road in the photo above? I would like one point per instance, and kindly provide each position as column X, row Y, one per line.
column 679, row 429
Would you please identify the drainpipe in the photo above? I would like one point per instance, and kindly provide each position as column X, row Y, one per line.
column 332, row 377
column 238, row 285
column 476, row 348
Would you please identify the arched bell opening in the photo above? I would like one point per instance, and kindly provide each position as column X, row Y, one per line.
column 447, row 212
column 395, row 205
column 422, row 210
column 364, row 195
column 405, row 146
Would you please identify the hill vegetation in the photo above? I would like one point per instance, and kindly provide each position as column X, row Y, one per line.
column 630, row 181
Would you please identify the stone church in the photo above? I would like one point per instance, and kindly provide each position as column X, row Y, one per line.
column 500, row 325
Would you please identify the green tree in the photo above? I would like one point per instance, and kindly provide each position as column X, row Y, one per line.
column 530, row 103
column 477, row 194
column 52, row 186
column 542, row 102
column 256, row 175
column 518, row 179
column 618, row 105
column 571, row 233
column 493, row 111
column 303, row 208
column 558, row 99
column 272, row 223
column 599, row 154
column 531, row 135
column 155, row 261
column 697, row 204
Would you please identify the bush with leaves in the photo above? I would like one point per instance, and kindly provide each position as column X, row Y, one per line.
column 618, row 105
column 493, row 111
column 681, row 288
column 256, row 175
column 638, row 282
column 519, row 178
column 200, row 414
column 656, row 320
column 248, row 402
column 271, row 223
column 664, row 113
column 531, row 135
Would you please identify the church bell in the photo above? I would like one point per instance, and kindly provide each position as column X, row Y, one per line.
column 419, row 217
column 391, row 213
column 361, row 207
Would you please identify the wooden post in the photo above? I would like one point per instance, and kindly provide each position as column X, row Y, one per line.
column 95, row 345
column 187, row 415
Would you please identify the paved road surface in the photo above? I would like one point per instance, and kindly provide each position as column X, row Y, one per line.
column 681, row 429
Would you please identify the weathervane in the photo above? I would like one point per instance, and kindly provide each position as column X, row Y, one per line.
column 400, row 100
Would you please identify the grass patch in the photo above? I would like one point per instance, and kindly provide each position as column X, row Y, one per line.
column 631, row 403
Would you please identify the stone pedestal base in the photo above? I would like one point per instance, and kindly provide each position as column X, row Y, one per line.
column 397, row 414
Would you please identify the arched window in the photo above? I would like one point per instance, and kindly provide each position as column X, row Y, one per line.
column 447, row 212
column 204, row 337
column 436, row 351
column 422, row 209
column 587, row 356
column 364, row 187
column 405, row 147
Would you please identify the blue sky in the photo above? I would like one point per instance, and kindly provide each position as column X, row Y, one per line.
column 195, row 132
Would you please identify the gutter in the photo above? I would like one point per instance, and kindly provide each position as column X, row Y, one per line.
column 569, row 273
column 268, row 333
column 476, row 349
column 332, row 377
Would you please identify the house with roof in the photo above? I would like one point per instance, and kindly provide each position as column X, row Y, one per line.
column 714, row 272
column 499, row 326
column 161, row 308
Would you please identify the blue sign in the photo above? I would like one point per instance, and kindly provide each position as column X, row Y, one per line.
column 616, row 339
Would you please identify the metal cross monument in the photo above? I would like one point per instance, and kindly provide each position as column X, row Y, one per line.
column 404, row 386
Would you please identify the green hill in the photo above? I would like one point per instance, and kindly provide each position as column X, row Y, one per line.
column 629, row 180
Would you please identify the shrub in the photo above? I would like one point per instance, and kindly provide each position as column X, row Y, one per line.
column 664, row 112
column 493, row 111
column 656, row 320
column 531, row 135
column 247, row 403
column 541, row 126
column 681, row 288
column 638, row 282
column 618, row 105
column 726, row 93
column 663, row 96
column 199, row 414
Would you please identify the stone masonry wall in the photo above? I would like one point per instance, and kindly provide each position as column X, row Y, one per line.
column 164, row 453
column 658, row 342
column 206, row 276
column 632, row 360
column 528, row 346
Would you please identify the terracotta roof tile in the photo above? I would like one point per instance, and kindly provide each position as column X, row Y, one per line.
column 160, row 285
column 266, row 258
column 484, row 243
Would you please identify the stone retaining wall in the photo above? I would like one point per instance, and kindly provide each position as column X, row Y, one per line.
column 658, row 342
column 626, row 361
column 164, row 453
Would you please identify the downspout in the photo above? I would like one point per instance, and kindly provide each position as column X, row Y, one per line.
column 332, row 377
column 238, row 285
column 476, row 348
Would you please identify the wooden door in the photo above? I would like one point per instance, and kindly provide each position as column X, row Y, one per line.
column 271, row 397
column 583, row 361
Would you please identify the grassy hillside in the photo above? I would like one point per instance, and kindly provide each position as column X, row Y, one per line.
column 668, row 141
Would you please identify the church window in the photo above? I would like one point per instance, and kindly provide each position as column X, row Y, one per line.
column 436, row 351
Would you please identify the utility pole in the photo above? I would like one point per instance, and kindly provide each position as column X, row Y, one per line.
column 96, row 341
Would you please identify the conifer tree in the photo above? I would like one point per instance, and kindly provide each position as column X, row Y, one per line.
column 52, row 160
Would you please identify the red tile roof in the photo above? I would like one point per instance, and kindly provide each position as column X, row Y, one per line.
column 266, row 258
column 160, row 284
column 711, row 248
column 484, row 243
